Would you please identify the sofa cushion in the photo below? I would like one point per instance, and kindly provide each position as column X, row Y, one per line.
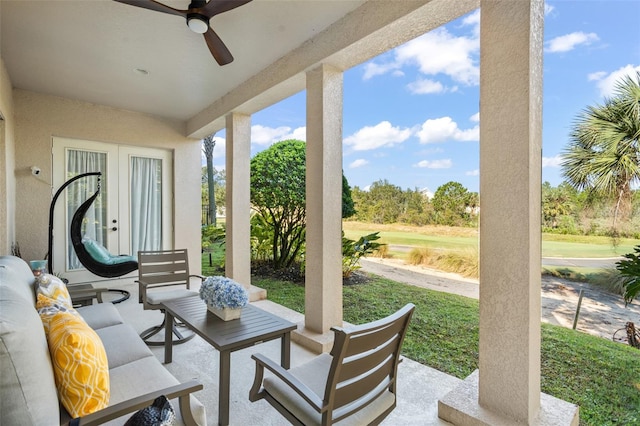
column 27, row 388
column 100, row 315
column 150, row 375
column 17, row 274
column 123, row 345
column 80, row 365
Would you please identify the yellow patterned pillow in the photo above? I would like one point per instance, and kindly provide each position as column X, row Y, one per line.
column 53, row 288
column 80, row 364
column 48, row 307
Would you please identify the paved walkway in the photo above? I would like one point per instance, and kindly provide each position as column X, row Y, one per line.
column 601, row 312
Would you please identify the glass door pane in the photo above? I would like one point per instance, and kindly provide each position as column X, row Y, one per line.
column 146, row 203
column 95, row 220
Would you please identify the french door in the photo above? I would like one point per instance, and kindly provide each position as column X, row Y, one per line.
column 133, row 211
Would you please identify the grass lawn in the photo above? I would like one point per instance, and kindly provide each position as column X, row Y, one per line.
column 451, row 238
column 601, row 376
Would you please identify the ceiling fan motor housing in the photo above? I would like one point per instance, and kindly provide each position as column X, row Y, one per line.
column 197, row 23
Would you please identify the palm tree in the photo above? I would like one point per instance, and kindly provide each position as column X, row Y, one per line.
column 208, row 144
column 603, row 155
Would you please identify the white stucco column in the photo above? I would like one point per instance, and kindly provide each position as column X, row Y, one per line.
column 506, row 388
column 511, row 38
column 238, row 228
column 323, row 274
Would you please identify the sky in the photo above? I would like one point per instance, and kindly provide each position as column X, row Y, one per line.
column 411, row 115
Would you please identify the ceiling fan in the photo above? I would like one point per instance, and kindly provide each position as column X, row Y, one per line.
column 197, row 17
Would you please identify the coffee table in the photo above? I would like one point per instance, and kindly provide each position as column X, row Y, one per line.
column 254, row 326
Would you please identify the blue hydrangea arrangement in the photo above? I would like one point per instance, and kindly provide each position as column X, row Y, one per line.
column 222, row 292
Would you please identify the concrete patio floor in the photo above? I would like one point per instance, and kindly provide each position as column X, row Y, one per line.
column 419, row 387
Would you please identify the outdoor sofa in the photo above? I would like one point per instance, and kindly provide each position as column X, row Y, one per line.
column 28, row 393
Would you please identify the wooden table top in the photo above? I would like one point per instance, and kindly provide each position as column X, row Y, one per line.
column 254, row 326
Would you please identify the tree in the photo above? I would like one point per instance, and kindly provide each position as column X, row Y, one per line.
column 557, row 202
column 416, row 209
column 348, row 208
column 452, row 203
column 603, row 155
column 278, row 176
column 208, row 144
column 382, row 203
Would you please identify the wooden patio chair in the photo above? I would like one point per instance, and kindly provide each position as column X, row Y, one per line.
column 163, row 275
column 354, row 384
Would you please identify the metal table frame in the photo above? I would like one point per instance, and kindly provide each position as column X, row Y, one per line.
column 255, row 326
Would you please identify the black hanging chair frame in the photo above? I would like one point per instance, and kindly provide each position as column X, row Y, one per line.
column 91, row 264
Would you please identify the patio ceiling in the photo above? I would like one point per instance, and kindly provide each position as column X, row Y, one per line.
column 90, row 50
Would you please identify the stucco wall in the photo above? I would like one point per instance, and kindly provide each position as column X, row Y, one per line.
column 39, row 117
column 7, row 149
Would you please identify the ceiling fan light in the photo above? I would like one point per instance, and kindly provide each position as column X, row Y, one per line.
column 197, row 23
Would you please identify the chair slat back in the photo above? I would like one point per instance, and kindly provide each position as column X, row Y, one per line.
column 163, row 268
column 373, row 338
column 365, row 362
column 354, row 367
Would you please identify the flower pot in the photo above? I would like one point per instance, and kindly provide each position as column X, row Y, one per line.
column 225, row 314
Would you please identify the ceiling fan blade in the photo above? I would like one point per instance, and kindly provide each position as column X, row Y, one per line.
column 154, row 5
column 215, row 7
column 219, row 51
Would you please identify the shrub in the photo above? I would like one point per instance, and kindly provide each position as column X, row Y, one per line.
column 352, row 251
column 463, row 262
column 630, row 270
column 609, row 279
column 382, row 252
column 420, row 256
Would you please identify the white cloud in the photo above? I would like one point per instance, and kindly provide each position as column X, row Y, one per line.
column 372, row 69
column 475, row 117
column 473, row 19
column 569, row 42
column 380, row 135
column 262, row 135
column 435, row 164
column 552, row 161
column 299, row 133
column 599, row 75
column 607, row 82
column 436, row 53
column 366, row 188
column 475, row 172
column 548, row 8
column 443, row 129
column 440, row 52
column 358, row 163
column 425, row 86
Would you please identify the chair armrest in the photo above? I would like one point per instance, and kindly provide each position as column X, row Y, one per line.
column 180, row 391
column 200, row 277
column 142, row 291
column 257, row 391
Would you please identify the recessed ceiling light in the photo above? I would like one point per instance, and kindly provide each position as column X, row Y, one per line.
column 141, row 71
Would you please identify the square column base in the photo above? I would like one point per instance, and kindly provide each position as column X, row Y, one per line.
column 460, row 407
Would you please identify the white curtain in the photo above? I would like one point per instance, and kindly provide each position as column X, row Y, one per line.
column 146, row 204
column 95, row 219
